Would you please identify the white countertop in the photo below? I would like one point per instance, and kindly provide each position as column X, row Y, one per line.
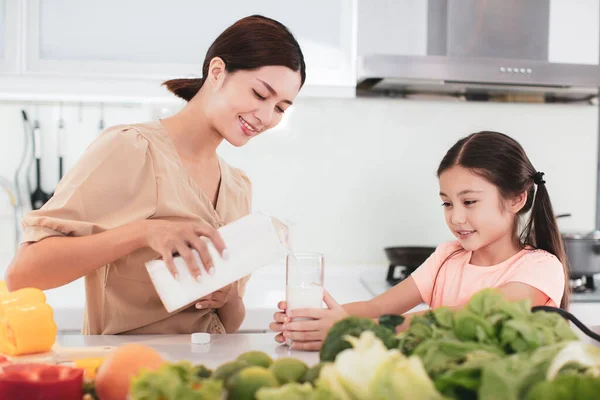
column 264, row 290
column 346, row 283
column 221, row 349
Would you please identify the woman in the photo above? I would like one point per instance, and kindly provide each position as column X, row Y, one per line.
column 152, row 190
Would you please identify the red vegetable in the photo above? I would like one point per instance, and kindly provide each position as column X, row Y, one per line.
column 40, row 382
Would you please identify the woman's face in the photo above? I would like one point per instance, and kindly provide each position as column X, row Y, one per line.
column 244, row 104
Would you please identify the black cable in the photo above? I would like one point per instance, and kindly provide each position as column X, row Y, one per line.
column 567, row 315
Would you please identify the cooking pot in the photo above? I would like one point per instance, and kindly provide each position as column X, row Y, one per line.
column 583, row 252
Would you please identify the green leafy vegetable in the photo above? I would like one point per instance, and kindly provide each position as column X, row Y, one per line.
column 391, row 321
column 353, row 326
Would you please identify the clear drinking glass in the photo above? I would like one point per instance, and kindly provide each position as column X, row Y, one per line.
column 304, row 281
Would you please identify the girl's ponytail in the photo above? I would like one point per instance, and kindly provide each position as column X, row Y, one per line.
column 542, row 230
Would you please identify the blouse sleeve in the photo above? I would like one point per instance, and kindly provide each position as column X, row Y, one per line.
column 113, row 183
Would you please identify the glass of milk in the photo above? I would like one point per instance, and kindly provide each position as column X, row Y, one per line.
column 304, row 281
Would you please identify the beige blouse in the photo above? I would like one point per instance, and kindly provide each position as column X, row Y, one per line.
column 133, row 172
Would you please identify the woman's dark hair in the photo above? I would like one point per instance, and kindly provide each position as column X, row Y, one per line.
column 248, row 44
column 502, row 161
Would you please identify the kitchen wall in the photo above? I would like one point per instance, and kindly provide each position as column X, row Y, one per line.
column 352, row 175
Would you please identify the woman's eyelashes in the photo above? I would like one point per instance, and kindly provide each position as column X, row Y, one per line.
column 258, row 95
column 263, row 98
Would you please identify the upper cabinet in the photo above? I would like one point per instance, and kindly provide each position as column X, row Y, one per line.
column 574, row 32
column 9, row 36
column 157, row 40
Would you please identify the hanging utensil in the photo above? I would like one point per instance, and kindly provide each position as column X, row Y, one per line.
column 101, row 122
column 22, row 163
column 59, row 138
column 38, row 197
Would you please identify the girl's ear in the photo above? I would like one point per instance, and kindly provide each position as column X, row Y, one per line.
column 517, row 203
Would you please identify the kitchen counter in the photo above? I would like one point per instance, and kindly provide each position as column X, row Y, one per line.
column 265, row 289
column 221, row 349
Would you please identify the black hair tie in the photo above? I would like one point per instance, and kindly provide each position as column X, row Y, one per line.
column 538, row 178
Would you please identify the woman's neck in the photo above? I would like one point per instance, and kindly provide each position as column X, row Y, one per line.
column 496, row 252
column 193, row 136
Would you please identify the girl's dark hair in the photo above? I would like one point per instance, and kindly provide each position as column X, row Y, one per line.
column 248, row 44
column 502, row 161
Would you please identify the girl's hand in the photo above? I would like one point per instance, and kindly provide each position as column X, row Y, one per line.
column 308, row 335
column 176, row 237
column 279, row 318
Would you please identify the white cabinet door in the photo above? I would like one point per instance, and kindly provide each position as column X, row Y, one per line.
column 10, row 14
column 574, row 36
column 152, row 39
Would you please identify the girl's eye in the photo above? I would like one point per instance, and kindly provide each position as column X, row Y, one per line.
column 258, row 96
column 470, row 202
column 446, row 204
column 280, row 110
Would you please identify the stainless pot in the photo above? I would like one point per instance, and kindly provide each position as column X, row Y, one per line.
column 583, row 253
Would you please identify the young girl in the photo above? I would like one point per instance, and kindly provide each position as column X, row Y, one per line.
column 487, row 184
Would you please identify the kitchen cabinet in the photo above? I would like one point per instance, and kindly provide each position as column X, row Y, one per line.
column 573, row 35
column 10, row 13
column 148, row 40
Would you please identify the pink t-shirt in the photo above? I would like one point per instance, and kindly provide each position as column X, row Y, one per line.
column 458, row 280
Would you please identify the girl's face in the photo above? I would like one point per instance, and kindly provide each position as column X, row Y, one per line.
column 474, row 209
column 246, row 103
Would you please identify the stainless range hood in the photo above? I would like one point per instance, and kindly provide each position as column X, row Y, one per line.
column 480, row 49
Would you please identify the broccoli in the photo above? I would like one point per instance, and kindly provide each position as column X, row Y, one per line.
column 391, row 321
column 353, row 326
column 202, row 372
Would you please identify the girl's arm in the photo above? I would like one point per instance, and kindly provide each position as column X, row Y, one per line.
column 397, row 300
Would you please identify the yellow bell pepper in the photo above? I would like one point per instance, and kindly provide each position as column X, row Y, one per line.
column 26, row 323
column 89, row 365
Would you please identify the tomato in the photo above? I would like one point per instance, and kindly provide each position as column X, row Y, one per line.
column 40, row 382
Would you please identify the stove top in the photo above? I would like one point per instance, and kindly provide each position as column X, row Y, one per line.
column 582, row 284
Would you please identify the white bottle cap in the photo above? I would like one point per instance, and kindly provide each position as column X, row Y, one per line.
column 200, row 338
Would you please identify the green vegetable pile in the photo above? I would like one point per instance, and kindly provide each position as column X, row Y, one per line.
column 492, row 349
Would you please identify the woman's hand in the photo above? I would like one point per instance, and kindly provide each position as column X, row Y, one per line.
column 308, row 334
column 218, row 298
column 169, row 238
